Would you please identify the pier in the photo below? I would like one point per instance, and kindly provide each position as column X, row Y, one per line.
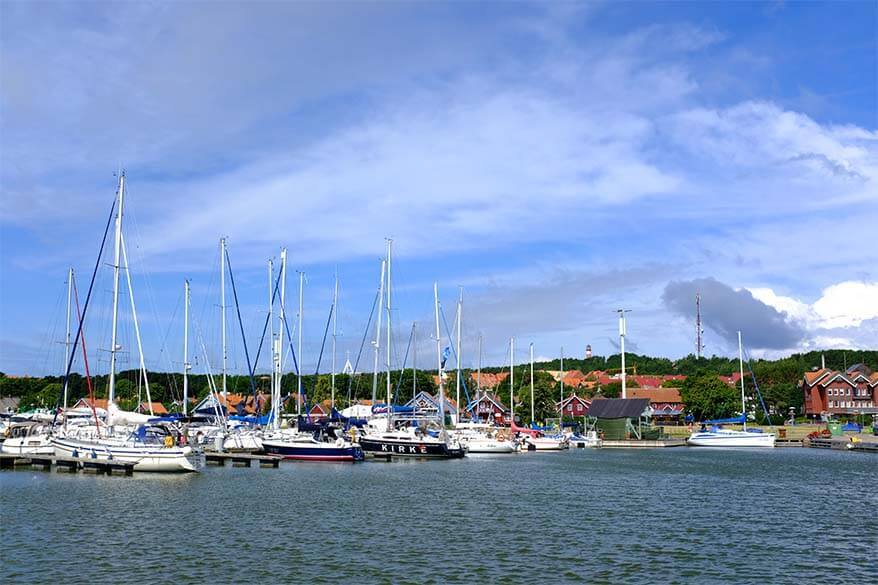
column 843, row 444
column 242, row 459
column 66, row 464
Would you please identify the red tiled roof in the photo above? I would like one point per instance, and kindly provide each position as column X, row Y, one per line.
column 157, row 408
column 664, row 395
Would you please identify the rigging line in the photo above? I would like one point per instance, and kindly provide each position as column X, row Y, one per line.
column 454, row 352
column 267, row 318
column 241, row 324
column 91, row 393
column 172, row 386
column 402, row 370
column 758, row 392
column 85, row 308
column 360, row 352
column 49, row 337
column 323, row 345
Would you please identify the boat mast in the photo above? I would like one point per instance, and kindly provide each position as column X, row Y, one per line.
column 741, row 365
column 387, row 351
column 117, row 249
column 377, row 343
column 334, row 336
column 459, row 317
column 136, row 325
column 67, row 336
column 622, row 331
column 223, row 306
column 185, row 347
column 414, row 360
column 271, row 336
column 439, row 356
column 301, row 316
column 275, row 395
column 531, row 382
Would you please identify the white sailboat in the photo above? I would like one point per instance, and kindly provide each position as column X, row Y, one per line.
column 149, row 447
column 720, row 437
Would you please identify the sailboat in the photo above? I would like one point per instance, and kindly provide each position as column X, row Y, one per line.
column 150, row 447
column 412, row 441
column 308, row 441
column 717, row 436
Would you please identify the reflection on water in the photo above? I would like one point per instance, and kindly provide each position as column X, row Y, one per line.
column 677, row 515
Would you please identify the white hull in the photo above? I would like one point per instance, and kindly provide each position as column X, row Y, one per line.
column 242, row 442
column 730, row 439
column 490, row 446
column 545, row 444
column 28, row 446
column 144, row 457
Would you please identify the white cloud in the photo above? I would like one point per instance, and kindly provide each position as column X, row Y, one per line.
column 838, row 318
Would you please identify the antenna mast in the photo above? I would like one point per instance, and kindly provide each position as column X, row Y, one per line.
column 699, row 332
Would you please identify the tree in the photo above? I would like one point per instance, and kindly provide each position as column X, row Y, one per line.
column 546, row 392
column 707, row 396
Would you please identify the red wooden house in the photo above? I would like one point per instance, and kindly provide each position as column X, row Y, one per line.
column 573, row 406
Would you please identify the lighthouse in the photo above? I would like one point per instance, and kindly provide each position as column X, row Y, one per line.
column 588, row 352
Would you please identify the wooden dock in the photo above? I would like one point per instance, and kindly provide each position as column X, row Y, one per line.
column 242, row 459
column 635, row 444
column 66, row 464
column 843, row 444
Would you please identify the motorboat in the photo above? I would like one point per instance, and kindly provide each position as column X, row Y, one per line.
column 28, row 438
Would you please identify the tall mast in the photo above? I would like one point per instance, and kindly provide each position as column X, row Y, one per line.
column 67, row 336
column 622, row 331
column 136, row 323
column 301, row 363
column 223, row 306
column 275, row 396
column 741, row 365
column 531, row 382
column 271, row 336
column 387, row 350
column 699, row 345
column 334, row 336
column 414, row 360
column 117, row 250
column 439, row 355
column 185, row 347
column 459, row 316
column 511, row 376
column 377, row 343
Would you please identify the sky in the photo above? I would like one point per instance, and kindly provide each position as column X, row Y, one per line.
column 548, row 162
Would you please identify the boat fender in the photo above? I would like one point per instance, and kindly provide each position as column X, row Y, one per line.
column 339, row 442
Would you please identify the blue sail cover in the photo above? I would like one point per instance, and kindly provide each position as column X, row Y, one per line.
column 382, row 408
column 252, row 419
column 727, row 421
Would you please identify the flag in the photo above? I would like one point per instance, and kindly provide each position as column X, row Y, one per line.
column 445, row 355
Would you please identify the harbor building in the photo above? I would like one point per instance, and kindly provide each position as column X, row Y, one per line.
column 852, row 392
column 573, row 406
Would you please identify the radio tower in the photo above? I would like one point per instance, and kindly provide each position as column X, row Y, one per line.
column 699, row 342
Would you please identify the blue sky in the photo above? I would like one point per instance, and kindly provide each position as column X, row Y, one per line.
column 557, row 161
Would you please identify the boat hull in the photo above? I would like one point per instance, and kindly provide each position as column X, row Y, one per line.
column 545, row 444
column 313, row 452
column 30, row 446
column 403, row 448
column 145, row 458
column 490, row 446
column 731, row 439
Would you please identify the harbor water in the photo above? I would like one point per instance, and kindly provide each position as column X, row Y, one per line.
column 618, row 516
